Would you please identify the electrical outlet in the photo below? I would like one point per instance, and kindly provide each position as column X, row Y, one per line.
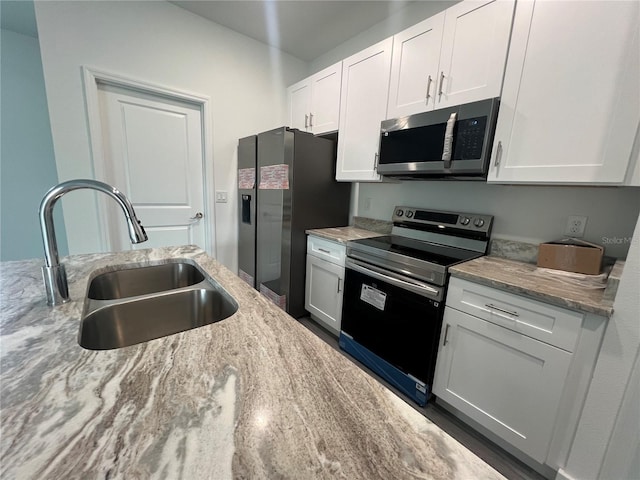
column 575, row 226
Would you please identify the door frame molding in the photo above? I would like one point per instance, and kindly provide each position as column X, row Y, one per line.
column 91, row 78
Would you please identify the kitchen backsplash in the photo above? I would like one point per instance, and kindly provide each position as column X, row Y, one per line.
column 523, row 213
column 373, row 225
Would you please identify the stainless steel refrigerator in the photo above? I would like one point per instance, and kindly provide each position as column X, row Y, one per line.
column 286, row 185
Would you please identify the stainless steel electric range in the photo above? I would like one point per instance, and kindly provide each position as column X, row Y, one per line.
column 395, row 288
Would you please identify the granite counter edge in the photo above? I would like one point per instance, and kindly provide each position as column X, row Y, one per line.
column 604, row 311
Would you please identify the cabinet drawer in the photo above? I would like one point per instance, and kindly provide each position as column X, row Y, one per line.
column 333, row 252
column 550, row 324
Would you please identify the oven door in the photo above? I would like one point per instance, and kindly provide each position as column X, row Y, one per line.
column 395, row 318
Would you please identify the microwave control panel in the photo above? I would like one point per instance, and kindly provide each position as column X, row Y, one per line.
column 469, row 138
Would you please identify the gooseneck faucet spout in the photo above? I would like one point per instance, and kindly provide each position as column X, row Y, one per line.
column 53, row 272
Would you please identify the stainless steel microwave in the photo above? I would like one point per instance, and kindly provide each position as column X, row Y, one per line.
column 451, row 142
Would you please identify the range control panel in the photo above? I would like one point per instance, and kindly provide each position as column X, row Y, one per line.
column 437, row 219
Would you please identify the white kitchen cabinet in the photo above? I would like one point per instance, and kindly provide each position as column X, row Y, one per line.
column 474, row 51
column 452, row 58
column 325, row 282
column 414, row 68
column 570, row 105
column 517, row 367
column 506, row 381
column 314, row 103
column 363, row 105
column 299, row 104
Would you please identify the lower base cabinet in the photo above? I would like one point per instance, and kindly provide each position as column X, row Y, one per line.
column 325, row 282
column 517, row 368
column 508, row 382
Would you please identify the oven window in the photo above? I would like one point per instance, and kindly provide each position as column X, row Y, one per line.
column 399, row 326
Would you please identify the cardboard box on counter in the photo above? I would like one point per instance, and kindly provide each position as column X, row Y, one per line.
column 571, row 255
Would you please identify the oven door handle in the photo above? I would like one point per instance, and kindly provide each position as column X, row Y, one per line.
column 393, row 279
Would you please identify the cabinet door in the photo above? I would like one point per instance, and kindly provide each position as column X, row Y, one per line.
column 299, row 102
column 323, row 294
column 363, row 105
column 508, row 382
column 325, row 100
column 474, row 51
column 414, row 68
column 570, row 105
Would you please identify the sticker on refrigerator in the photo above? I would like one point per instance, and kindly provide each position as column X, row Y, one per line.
column 373, row 296
column 246, row 178
column 274, row 177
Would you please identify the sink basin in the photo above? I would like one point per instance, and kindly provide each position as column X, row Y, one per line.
column 132, row 282
column 135, row 305
column 127, row 323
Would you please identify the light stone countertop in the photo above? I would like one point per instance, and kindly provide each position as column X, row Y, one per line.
column 254, row 396
column 526, row 279
column 343, row 234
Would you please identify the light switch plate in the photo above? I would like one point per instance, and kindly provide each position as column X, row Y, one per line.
column 221, row 197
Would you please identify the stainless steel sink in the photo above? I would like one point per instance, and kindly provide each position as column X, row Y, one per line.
column 131, row 306
column 132, row 282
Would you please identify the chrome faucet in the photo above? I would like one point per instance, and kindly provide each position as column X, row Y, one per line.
column 53, row 272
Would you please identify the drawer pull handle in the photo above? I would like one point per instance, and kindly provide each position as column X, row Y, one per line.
column 446, row 335
column 493, row 307
column 324, row 251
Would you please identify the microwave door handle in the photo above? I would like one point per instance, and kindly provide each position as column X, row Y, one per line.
column 448, row 140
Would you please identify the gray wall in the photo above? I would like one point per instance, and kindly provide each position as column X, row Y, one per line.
column 413, row 13
column 27, row 163
column 525, row 213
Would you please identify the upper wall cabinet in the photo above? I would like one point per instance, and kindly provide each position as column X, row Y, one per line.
column 570, row 105
column 414, row 67
column 363, row 104
column 314, row 103
column 452, row 58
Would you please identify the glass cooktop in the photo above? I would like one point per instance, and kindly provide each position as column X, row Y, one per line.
column 419, row 249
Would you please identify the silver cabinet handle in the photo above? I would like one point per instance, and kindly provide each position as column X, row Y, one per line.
column 446, row 335
column 428, row 89
column 441, row 84
column 498, row 154
column 339, row 289
column 324, row 251
column 197, row 216
column 376, row 157
column 306, row 121
column 493, row 307
column 311, row 120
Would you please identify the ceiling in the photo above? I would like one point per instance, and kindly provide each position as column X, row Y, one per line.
column 305, row 29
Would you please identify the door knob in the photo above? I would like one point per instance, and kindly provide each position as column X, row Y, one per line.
column 197, row 216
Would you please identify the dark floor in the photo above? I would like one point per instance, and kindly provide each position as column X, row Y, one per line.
column 503, row 462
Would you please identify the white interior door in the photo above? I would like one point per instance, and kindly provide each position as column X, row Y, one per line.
column 153, row 153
